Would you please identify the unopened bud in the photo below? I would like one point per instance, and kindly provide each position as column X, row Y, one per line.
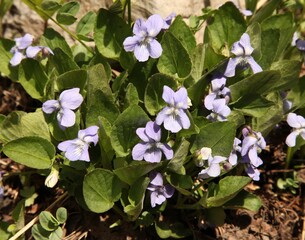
column 52, row 179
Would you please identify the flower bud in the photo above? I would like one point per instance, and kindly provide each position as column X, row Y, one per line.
column 52, row 179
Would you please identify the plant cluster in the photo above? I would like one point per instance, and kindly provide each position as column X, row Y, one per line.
column 148, row 122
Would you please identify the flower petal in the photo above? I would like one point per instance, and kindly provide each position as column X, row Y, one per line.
column 31, row 52
column 139, row 150
column 66, row 117
column 50, row 106
column 154, row 25
column 208, row 101
column 90, row 134
column 71, row 98
column 245, row 43
column 162, row 115
column 153, row 156
column 153, row 131
column 24, row 42
column 142, row 135
column 253, row 64
column 168, row 191
column 17, row 58
column 214, row 170
column 156, row 179
column 85, row 154
column 295, row 121
column 168, row 152
column 183, row 119
column 139, row 27
column 291, row 139
column 168, row 95
column 154, row 49
column 230, row 70
column 171, row 124
column 130, row 43
column 180, row 98
column 141, row 53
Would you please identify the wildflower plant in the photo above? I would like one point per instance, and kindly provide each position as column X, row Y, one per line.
column 149, row 118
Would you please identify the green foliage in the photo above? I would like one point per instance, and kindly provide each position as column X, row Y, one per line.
column 49, row 227
column 121, row 94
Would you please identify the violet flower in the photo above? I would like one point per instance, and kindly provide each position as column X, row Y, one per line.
column 218, row 91
column 174, row 116
column 18, row 50
column 297, row 122
column 68, row 100
column 143, row 43
column 77, row 149
column 252, row 172
column 151, row 148
column 233, row 155
column 168, row 20
column 32, row 52
column 220, row 110
column 242, row 50
column 252, row 144
column 159, row 192
column 213, row 169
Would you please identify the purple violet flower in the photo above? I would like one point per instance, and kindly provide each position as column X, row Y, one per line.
column 68, row 100
column 220, row 110
column 233, row 155
column 151, row 148
column 77, row 149
column 213, row 169
column 252, row 172
column 20, row 45
column 218, row 91
column 159, row 192
column 168, row 20
column 32, row 52
column 242, row 50
column 297, row 122
column 252, row 144
column 143, row 43
column 174, row 116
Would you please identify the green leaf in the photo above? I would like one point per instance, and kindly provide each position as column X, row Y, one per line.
column 39, row 233
column 34, row 152
column 86, row 23
column 253, row 105
column 181, row 183
column 57, row 234
column 172, row 230
column 275, row 114
column 183, row 33
column 225, row 190
column 285, row 25
column 54, row 40
column 265, row 11
column 297, row 94
column 61, row 215
column 100, row 101
column 131, row 97
column 20, row 124
column 136, row 198
column 5, row 5
column 5, row 66
column 48, row 221
column 72, row 79
column 153, row 93
column 123, row 135
column 101, row 188
column 33, row 78
column 179, row 158
column 62, row 62
column 174, row 61
column 65, row 15
column 262, row 82
column 219, row 136
column 50, row 5
column 135, row 170
column 289, row 70
column 198, row 60
column 245, row 200
column 215, row 216
column 109, row 33
column 225, row 28
column 107, row 151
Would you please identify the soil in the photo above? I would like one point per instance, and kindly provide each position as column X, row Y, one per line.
column 281, row 217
